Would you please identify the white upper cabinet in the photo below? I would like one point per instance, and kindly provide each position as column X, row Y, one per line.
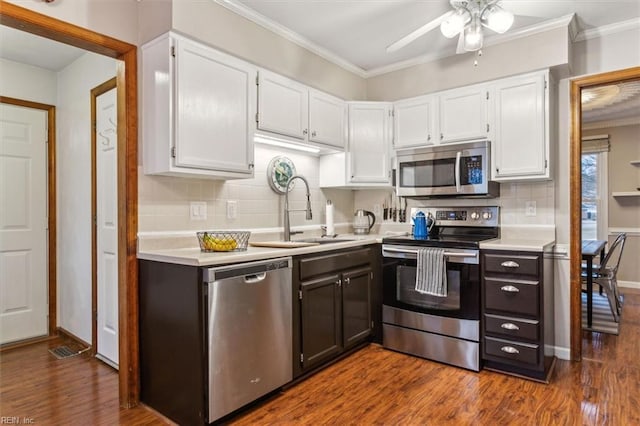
column 463, row 114
column 366, row 162
column 327, row 119
column 369, row 142
column 299, row 113
column 198, row 107
column 282, row 105
column 521, row 146
column 413, row 122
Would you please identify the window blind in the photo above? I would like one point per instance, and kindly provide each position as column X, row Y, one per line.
column 594, row 144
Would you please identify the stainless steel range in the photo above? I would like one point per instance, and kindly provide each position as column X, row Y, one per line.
column 443, row 328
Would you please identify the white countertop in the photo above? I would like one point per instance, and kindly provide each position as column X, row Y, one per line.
column 522, row 244
column 195, row 257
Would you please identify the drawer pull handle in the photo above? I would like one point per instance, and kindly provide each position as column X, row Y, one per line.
column 510, row 264
column 509, row 350
column 509, row 326
column 510, row 289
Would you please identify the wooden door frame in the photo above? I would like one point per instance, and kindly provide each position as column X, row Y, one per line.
column 55, row 29
column 575, row 193
column 95, row 92
column 51, row 205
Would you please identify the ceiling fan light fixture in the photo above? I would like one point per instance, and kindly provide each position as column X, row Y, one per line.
column 473, row 38
column 497, row 19
column 455, row 23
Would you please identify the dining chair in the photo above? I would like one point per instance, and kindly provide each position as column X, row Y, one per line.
column 605, row 275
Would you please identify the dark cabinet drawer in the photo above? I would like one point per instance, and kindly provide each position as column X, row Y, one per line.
column 514, row 296
column 512, row 263
column 512, row 327
column 512, row 352
column 334, row 262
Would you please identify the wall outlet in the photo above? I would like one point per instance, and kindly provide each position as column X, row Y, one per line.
column 232, row 209
column 530, row 208
column 198, row 210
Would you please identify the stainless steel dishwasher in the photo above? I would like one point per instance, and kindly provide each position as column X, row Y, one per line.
column 249, row 332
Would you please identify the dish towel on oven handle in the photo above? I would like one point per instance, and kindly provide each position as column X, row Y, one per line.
column 431, row 272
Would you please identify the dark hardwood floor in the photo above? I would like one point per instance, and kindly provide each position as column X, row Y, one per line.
column 373, row 386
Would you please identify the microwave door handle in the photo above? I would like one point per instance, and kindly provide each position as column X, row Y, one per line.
column 457, row 170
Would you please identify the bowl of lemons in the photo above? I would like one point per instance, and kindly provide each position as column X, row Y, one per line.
column 220, row 241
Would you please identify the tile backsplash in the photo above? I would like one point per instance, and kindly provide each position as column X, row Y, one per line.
column 512, row 201
column 164, row 202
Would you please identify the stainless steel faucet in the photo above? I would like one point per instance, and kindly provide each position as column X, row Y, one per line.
column 287, row 224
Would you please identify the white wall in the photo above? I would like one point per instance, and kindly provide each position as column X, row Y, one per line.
column 27, row 82
column 116, row 18
column 74, row 189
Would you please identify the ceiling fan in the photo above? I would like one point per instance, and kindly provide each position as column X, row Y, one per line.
column 466, row 20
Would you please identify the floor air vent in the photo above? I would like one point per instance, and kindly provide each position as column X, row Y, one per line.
column 62, row 352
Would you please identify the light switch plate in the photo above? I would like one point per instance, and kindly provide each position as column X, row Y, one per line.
column 530, row 208
column 198, row 210
column 232, row 209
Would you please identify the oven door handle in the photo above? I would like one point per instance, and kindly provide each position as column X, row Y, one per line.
column 457, row 171
column 446, row 253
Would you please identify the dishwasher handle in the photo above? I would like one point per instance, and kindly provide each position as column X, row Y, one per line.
column 255, row 278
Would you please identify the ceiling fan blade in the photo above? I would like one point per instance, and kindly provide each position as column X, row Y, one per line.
column 418, row 33
column 460, row 47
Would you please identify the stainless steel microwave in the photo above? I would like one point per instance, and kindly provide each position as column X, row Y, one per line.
column 461, row 170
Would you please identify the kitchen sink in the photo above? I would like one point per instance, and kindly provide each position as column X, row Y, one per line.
column 321, row 240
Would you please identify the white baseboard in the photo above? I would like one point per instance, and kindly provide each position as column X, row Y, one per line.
column 629, row 284
column 562, row 353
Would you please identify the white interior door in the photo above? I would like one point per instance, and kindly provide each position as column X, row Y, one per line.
column 107, row 225
column 23, row 223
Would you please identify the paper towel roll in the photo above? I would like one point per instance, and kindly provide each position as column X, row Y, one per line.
column 331, row 230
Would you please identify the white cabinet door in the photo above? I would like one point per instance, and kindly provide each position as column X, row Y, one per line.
column 282, row 105
column 198, row 110
column 327, row 119
column 212, row 93
column 369, row 142
column 521, row 146
column 413, row 124
column 463, row 114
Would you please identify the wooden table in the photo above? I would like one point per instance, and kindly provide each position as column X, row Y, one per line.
column 591, row 249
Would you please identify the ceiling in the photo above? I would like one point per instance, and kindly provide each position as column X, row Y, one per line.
column 358, row 31
column 612, row 102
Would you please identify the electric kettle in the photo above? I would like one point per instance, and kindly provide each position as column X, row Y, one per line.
column 363, row 221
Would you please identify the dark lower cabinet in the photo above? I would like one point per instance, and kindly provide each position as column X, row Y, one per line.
column 335, row 308
column 517, row 313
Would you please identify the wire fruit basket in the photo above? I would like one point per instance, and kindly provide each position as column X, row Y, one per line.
column 216, row 241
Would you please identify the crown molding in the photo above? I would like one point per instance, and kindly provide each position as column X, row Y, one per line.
column 604, row 124
column 604, row 30
column 290, row 35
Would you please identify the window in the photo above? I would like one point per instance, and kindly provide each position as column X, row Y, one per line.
column 594, row 189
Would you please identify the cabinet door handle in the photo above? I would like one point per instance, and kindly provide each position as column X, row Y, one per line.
column 347, row 281
column 305, row 131
column 509, row 326
column 510, row 289
column 509, row 350
column 313, row 133
column 510, row 264
column 441, row 136
column 339, row 283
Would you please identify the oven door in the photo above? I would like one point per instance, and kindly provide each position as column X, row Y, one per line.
column 463, row 282
column 454, row 171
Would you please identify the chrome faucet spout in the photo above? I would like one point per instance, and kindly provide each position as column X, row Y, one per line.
column 309, row 214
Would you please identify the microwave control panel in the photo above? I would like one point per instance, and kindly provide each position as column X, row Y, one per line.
column 472, row 170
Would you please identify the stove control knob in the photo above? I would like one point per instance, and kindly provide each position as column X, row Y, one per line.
column 475, row 215
column 486, row 215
